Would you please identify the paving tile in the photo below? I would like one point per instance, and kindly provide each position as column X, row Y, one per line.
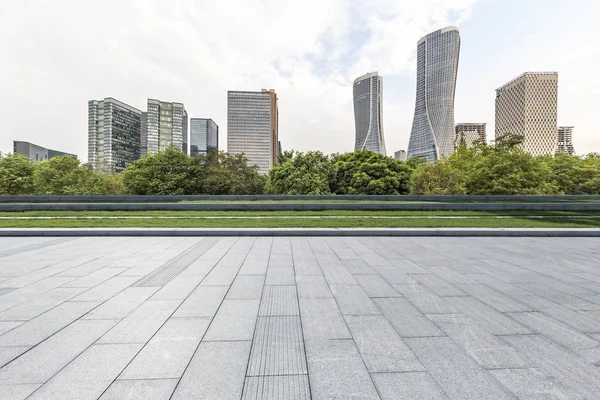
column 406, row 319
column 493, row 298
column 254, row 267
column 488, row 318
column 235, row 320
column 376, row 286
column 280, row 276
column 88, row 376
column 203, row 302
column 179, row 288
column 459, row 376
column 561, row 334
column 16, row 392
column 358, row 266
column 168, row 353
column 122, row 304
column 437, row 285
column 277, row 347
column 43, row 361
column 216, row 372
column 7, row 354
column 567, row 300
column 531, row 384
column 485, row 348
column 321, row 319
column 220, row 276
column 141, row 324
column 40, row 328
column 375, row 260
column 142, row 389
column 339, row 276
column 279, row 301
column 380, row 346
column 276, row 387
column 407, row 386
column 571, row 371
column 394, row 275
column 306, row 266
column 246, row 287
column 106, row 289
column 47, row 301
column 336, row 371
column 424, row 299
column 30, row 292
column 352, row 300
column 328, row 260
column 313, row 287
column 95, row 278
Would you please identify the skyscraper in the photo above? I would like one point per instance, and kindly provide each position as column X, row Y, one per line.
column 400, row 155
column 113, row 134
column 204, row 135
column 471, row 132
column 527, row 106
column 252, row 127
column 432, row 134
column 144, row 135
column 167, row 126
column 368, row 118
column 565, row 141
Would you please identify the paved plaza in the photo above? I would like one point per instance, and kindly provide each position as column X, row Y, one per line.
column 299, row 318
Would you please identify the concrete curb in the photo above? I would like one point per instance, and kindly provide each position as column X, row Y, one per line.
column 411, row 232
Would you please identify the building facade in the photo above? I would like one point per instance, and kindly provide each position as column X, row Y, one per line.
column 204, row 135
column 368, row 113
column 565, row 141
column 400, row 155
column 471, row 132
column 253, row 127
column 144, row 135
column 37, row 153
column 167, row 125
column 432, row 134
column 528, row 106
column 113, row 134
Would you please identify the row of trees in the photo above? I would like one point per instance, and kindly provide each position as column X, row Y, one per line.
column 498, row 168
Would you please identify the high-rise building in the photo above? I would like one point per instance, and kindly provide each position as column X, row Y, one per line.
column 37, row 153
column 144, row 135
column 565, row 141
column 252, row 127
column 113, row 134
column 400, row 155
column 368, row 114
column 527, row 106
column 167, row 126
column 471, row 132
column 204, row 135
column 432, row 134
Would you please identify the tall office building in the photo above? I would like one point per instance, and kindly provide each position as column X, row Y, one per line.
column 471, row 132
column 113, row 134
column 565, row 141
column 167, row 125
column 432, row 134
column 204, row 135
column 528, row 106
column 144, row 135
column 252, row 127
column 37, row 153
column 400, row 155
column 368, row 118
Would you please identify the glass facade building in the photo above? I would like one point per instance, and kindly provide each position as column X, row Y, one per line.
column 113, row 134
column 204, row 135
column 368, row 114
column 252, row 127
column 432, row 134
column 167, row 125
column 37, row 153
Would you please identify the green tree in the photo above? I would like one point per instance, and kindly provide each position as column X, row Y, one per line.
column 438, row 178
column 167, row 172
column 67, row 176
column 16, row 175
column 365, row 172
column 302, row 174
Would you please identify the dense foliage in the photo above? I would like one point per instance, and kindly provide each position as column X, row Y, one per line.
column 497, row 168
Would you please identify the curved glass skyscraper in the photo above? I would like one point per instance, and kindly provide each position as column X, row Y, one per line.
column 368, row 113
column 432, row 134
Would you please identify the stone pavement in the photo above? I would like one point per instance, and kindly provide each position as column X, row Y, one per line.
column 299, row 318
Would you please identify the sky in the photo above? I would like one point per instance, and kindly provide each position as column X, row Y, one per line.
column 55, row 55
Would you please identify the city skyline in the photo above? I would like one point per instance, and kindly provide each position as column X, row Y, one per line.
column 309, row 64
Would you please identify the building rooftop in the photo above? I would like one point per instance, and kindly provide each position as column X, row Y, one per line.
column 216, row 318
column 525, row 74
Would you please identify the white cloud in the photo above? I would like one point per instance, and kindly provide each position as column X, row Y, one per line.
column 57, row 54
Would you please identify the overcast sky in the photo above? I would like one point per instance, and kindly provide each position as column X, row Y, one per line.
column 55, row 55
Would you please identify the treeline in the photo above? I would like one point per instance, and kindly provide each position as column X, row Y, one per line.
column 498, row 168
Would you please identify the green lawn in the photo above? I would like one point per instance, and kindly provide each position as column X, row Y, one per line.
column 490, row 222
